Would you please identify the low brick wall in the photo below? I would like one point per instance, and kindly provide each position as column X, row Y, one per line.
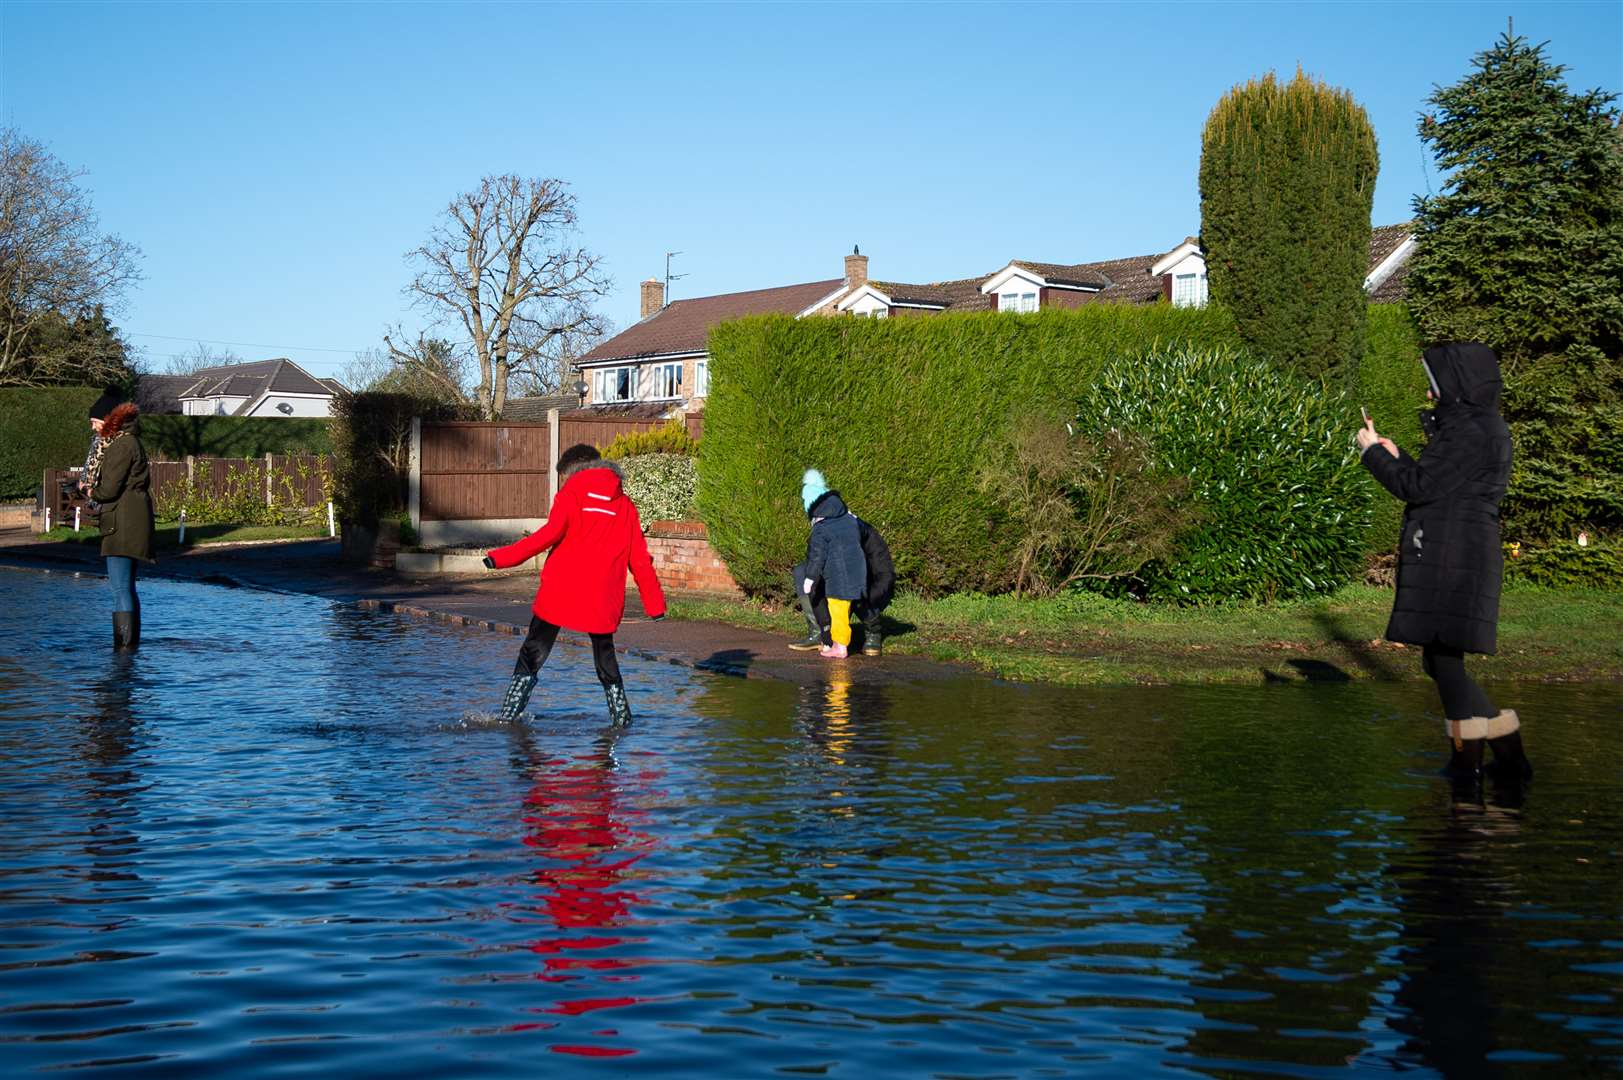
column 686, row 562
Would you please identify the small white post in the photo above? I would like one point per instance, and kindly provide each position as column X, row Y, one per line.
column 47, row 519
column 269, row 464
column 332, row 529
column 75, row 519
column 182, row 538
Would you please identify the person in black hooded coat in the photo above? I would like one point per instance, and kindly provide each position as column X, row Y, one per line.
column 1450, row 561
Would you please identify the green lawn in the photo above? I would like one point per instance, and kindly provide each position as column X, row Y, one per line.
column 1084, row 639
column 168, row 534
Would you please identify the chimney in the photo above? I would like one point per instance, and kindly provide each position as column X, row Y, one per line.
column 856, row 268
column 653, row 296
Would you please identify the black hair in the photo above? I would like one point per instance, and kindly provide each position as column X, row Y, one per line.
column 579, row 454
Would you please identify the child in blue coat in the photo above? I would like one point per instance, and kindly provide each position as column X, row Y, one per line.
column 834, row 558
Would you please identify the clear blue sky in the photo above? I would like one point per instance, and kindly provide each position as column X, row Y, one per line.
column 275, row 161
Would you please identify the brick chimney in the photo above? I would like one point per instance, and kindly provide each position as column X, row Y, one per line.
column 856, row 268
column 653, row 296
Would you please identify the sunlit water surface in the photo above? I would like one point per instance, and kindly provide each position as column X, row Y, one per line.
column 271, row 841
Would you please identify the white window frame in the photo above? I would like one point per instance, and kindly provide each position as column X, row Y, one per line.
column 1189, row 290
column 1018, row 302
column 701, row 378
column 604, row 378
column 666, row 385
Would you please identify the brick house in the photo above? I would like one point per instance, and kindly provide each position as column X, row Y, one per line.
column 660, row 367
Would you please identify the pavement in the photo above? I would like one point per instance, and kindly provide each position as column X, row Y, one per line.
column 497, row 602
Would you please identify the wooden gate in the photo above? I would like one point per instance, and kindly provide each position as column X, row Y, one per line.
column 476, row 482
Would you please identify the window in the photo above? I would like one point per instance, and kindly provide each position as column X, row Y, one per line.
column 614, row 384
column 1017, row 301
column 701, row 378
column 668, row 380
column 1189, row 290
column 878, row 313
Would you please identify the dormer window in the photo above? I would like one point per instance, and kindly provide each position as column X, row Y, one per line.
column 1017, row 301
column 1188, row 290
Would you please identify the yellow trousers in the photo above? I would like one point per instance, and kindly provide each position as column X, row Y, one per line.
column 839, row 618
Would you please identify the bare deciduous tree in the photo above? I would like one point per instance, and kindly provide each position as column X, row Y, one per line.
column 55, row 263
column 502, row 264
column 429, row 367
column 197, row 358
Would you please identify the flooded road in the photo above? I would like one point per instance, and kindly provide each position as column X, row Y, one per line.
column 277, row 839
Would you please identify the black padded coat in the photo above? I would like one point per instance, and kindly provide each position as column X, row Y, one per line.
column 834, row 550
column 1450, row 561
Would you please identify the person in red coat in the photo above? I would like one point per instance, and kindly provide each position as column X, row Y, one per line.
column 594, row 536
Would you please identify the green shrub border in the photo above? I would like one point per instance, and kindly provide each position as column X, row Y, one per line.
column 41, row 428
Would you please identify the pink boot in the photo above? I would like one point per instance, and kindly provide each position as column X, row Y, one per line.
column 832, row 652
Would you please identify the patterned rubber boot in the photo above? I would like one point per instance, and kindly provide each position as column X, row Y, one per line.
column 1510, row 764
column 619, row 707
column 518, row 696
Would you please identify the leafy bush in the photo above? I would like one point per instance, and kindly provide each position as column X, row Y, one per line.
column 662, row 485
column 1566, row 565
column 1284, row 506
column 44, row 428
column 1082, row 509
column 1391, row 384
column 172, row 438
column 371, row 440
column 240, row 499
column 672, row 438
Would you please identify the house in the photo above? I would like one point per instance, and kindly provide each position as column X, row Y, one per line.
column 264, row 388
column 659, row 366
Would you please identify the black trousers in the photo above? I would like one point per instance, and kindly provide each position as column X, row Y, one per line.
column 1462, row 697
column 538, row 646
column 819, row 603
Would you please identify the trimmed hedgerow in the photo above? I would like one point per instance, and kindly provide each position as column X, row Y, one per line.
column 44, row 428
column 172, row 438
column 662, row 486
column 671, row 438
column 1391, row 384
column 1280, row 502
column 901, row 414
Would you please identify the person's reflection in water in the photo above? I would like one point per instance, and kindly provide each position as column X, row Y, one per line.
column 109, row 738
column 578, row 822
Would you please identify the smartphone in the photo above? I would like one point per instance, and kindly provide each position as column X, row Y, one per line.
column 1365, row 411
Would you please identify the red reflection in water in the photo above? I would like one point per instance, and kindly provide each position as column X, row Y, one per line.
column 579, row 824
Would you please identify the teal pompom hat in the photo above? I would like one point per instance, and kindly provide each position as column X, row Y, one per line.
column 812, row 488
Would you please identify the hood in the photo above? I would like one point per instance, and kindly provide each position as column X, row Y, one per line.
column 1464, row 373
column 598, row 477
column 827, row 505
column 122, row 418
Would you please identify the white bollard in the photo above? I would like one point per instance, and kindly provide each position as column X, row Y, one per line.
column 47, row 519
column 75, row 519
column 332, row 529
column 182, row 538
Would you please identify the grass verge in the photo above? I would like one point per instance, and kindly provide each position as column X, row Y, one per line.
column 167, row 535
column 1083, row 639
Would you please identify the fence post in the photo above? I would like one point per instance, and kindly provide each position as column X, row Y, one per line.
column 414, row 497
column 552, row 455
column 268, row 501
column 191, row 464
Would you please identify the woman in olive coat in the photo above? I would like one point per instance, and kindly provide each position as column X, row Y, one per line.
column 1450, row 561
column 118, row 479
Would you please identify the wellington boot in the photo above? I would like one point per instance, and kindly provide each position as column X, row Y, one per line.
column 518, row 696
column 1510, row 764
column 1466, row 740
column 124, row 631
column 619, row 707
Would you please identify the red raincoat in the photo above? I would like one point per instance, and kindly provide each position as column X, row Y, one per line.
column 594, row 534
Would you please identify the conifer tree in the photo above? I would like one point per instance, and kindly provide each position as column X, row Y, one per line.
column 1523, row 250
column 1287, row 181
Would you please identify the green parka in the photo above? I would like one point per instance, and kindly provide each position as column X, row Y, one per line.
column 123, row 488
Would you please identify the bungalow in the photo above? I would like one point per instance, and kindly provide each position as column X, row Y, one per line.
column 659, row 366
column 264, row 388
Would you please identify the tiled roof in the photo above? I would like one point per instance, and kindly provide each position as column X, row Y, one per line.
column 279, row 376
column 1082, row 274
column 626, row 410
column 160, row 394
column 535, row 409
column 684, row 325
column 1383, row 241
column 961, row 295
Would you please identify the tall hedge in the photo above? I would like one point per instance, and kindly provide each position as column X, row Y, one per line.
column 41, row 428
column 1287, row 181
column 171, row 438
column 371, row 442
column 900, row 413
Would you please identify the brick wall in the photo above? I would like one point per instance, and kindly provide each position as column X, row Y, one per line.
column 686, row 562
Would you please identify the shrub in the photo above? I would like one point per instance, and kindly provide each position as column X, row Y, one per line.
column 1566, row 565
column 371, row 439
column 240, row 496
column 44, row 428
column 1391, row 384
column 172, row 438
column 1081, row 509
column 1284, row 506
column 672, row 438
column 662, row 485
column 1287, row 180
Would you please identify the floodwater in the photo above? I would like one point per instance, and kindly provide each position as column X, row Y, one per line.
column 269, row 842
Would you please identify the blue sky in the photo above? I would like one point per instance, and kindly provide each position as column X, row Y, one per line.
column 275, row 161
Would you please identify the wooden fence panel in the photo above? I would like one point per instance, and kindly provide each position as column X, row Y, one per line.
column 469, row 471
column 600, row 432
column 300, row 479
